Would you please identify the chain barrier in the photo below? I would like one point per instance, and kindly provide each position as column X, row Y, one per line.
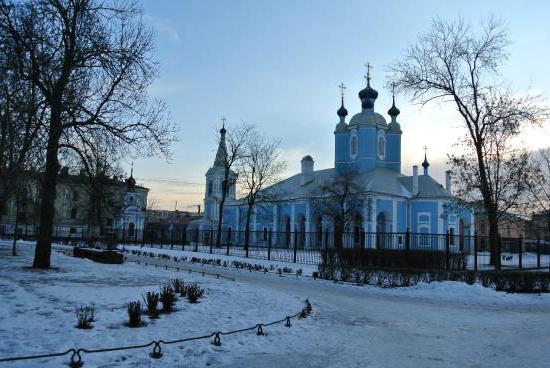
column 76, row 353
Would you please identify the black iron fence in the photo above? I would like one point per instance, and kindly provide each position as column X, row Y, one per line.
column 308, row 247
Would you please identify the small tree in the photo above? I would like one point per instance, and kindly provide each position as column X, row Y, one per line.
column 260, row 167
column 341, row 200
column 454, row 63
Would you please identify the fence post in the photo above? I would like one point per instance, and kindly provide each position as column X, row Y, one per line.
column 196, row 239
column 183, row 238
column 143, row 237
column 211, row 239
column 447, row 241
column 295, row 244
column 269, row 245
column 407, row 240
column 475, row 250
column 538, row 252
column 228, row 240
column 172, row 238
column 247, row 244
column 520, row 249
column 498, row 263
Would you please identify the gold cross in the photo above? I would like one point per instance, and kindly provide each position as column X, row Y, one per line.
column 342, row 88
column 223, row 121
column 425, row 150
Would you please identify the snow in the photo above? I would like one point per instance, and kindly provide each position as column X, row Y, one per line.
column 443, row 324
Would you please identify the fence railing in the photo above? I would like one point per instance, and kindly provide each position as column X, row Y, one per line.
column 308, row 247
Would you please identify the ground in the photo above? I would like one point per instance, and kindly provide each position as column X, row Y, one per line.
column 437, row 325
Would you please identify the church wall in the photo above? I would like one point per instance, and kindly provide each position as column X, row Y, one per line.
column 393, row 151
column 422, row 224
column 367, row 148
column 341, row 150
column 401, row 217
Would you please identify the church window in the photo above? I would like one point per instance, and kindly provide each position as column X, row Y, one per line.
column 265, row 234
column 131, row 229
column 353, row 146
column 73, row 213
column 209, row 189
column 381, row 146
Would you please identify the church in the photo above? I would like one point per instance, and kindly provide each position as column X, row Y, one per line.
column 390, row 203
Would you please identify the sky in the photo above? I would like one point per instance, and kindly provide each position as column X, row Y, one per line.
column 277, row 64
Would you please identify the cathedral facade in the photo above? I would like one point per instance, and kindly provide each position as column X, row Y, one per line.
column 390, row 202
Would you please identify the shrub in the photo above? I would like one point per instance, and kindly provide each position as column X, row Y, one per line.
column 194, row 292
column 151, row 300
column 134, row 314
column 85, row 316
column 179, row 286
column 168, row 298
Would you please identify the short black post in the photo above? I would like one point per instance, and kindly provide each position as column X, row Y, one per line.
column 269, row 245
column 447, row 244
column 295, row 244
column 475, row 251
column 211, row 239
column 520, row 250
column 143, row 238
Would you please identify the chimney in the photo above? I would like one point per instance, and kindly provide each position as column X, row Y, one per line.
column 448, row 180
column 415, row 181
column 307, row 170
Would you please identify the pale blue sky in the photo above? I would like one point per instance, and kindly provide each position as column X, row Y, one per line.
column 277, row 64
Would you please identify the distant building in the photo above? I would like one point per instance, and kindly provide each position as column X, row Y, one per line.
column 168, row 225
column 392, row 202
column 122, row 214
column 509, row 226
column 539, row 226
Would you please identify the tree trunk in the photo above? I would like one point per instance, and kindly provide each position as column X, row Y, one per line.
column 220, row 212
column 493, row 238
column 43, row 248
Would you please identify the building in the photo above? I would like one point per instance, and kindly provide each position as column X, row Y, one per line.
column 77, row 213
column 391, row 202
column 167, row 225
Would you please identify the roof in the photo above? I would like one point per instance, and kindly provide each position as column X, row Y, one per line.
column 368, row 117
column 427, row 187
column 378, row 180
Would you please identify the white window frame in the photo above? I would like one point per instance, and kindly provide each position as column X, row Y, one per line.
column 352, row 137
column 381, row 136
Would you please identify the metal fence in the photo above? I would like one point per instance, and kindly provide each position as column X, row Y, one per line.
column 308, row 247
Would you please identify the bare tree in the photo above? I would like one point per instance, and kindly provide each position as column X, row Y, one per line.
column 341, row 200
column 454, row 63
column 233, row 148
column 91, row 61
column 260, row 167
column 539, row 191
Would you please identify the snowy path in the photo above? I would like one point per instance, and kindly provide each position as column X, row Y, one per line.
column 438, row 325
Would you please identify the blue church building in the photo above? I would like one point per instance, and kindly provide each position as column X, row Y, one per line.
column 391, row 203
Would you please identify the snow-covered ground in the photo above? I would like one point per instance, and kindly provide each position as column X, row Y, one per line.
column 445, row 324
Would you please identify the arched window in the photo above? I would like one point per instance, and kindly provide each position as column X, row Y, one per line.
column 209, row 189
column 381, row 147
column 73, row 213
column 353, row 146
